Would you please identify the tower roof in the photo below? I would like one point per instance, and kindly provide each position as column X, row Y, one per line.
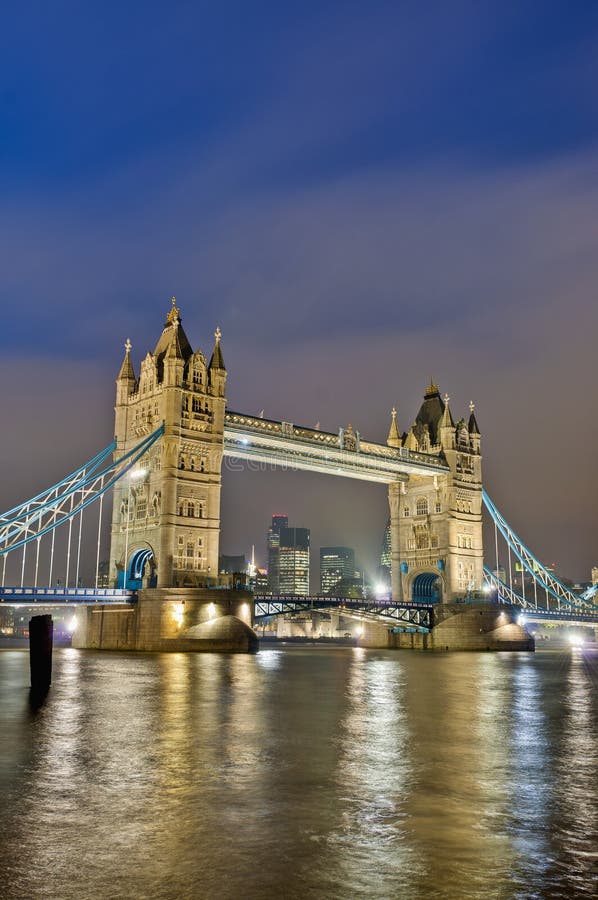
column 173, row 341
column 430, row 412
column 217, row 360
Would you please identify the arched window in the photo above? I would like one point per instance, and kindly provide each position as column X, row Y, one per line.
column 192, row 464
column 422, row 506
column 182, row 461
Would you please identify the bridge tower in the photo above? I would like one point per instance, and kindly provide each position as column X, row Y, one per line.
column 166, row 515
column 436, row 522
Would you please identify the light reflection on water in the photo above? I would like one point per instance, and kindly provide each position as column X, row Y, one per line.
column 301, row 773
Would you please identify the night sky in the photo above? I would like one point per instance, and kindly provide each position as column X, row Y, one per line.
column 361, row 195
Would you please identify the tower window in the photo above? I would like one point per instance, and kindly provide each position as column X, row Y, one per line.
column 422, row 506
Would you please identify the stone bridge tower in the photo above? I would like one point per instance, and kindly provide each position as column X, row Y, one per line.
column 166, row 515
column 436, row 522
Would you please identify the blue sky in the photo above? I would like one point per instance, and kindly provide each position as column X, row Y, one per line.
column 361, row 195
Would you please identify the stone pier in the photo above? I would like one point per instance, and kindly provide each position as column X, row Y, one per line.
column 476, row 626
column 171, row 619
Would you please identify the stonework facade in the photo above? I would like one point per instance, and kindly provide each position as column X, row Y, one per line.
column 436, row 522
column 166, row 515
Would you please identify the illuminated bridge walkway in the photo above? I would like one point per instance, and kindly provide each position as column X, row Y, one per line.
column 291, row 446
column 540, row 594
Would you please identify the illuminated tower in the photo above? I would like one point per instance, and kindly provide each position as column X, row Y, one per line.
column 436, row 523
column 166, row 515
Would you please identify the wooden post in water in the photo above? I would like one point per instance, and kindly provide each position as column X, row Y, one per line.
column 41, row 633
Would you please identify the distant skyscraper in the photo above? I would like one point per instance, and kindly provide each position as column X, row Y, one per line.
column 293, row 561
column 278, row 522
column 385, row 553
column 336, row 564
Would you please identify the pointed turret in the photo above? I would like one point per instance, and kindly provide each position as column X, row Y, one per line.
column 126, row 370
column 394, row 437
column 125, row 382
column 446, row 427
column 474, row 431
column 217, row 360
column 217, row 369
column 472, row 424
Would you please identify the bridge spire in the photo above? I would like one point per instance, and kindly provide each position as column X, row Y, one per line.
column 394, row 436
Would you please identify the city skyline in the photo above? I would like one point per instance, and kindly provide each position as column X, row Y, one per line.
column 355, row 225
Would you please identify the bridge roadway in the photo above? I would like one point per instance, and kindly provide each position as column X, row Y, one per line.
column 308, row 449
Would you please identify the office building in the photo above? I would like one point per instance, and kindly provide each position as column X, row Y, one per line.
column 293, row 561
column 273, row 540
column 336, row 564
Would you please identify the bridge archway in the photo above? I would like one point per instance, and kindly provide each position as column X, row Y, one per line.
column 136, row 569
column 426, row 588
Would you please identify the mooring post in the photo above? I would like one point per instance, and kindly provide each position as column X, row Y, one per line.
column 41, row 633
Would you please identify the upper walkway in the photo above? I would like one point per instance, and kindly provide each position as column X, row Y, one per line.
column 289, row 446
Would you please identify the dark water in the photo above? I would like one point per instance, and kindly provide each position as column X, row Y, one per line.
column 301, row 773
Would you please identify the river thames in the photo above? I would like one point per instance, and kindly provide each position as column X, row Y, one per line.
column 301, row 773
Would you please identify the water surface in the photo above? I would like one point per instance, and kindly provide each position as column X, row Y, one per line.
column 300, row 773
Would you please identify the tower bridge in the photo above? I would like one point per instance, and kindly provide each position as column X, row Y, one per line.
column 164, row 472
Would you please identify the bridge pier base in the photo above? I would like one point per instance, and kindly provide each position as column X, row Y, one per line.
column 472, row 626
column 171, row 619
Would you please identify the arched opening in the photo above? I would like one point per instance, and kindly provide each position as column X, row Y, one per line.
column 136, row 569
column 426, row 588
